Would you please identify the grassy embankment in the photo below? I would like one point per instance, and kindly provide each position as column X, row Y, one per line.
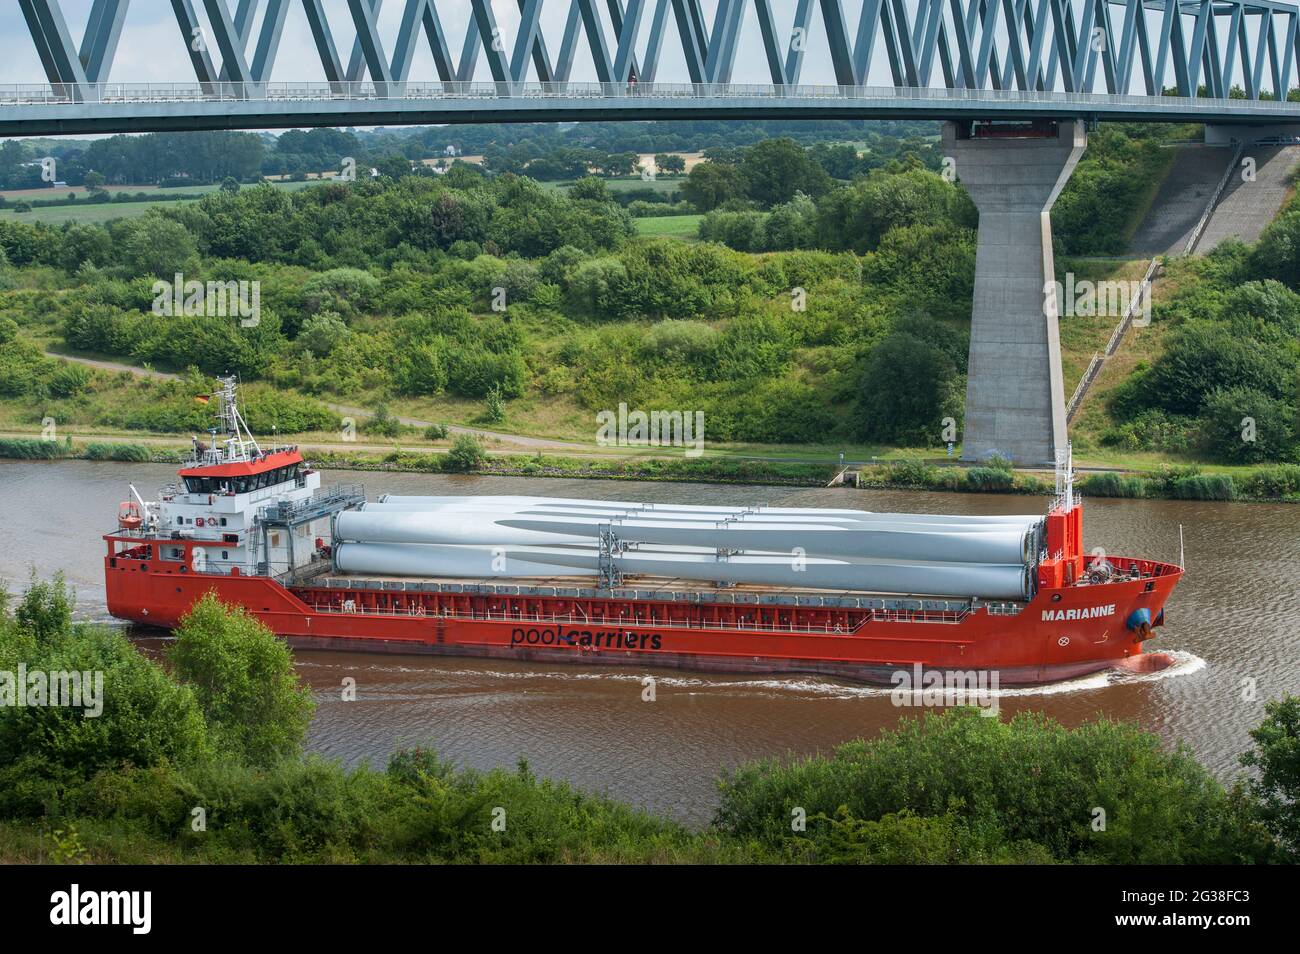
column 1262, row 483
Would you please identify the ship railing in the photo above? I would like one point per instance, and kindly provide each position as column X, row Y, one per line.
column 1004, row 609
column 418, row 610
column 320, row 504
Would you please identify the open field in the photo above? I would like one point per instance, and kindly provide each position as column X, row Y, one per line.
column 627, row 184
column 673, row 226
column 84, row 211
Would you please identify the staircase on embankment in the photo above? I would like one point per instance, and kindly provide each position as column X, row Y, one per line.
column 1204, row 200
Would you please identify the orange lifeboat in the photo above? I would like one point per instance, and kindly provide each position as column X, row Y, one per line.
column 129, row 516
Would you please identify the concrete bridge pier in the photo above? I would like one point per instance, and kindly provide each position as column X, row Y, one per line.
column 1015, row 397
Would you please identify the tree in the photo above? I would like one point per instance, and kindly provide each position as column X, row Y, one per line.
column 908, row 387
column 933, row 265
column 322, row 332
column 840, row 160
column 94, row 181
column 422, row 370
column 1205, row 356
column 394, row 166
column 84, row 243
column 792, row 225
column 710, row 184
column 1277, row 254
column 159, row 247
column 858, row 216
column 46, row 609
column 669, row 163
column 743, row 231
column 592, row 189
column 242, row 675
column 1243, row 426
column 776, row 170
column 619, row 164
column 1277, row 787
column 230, row 185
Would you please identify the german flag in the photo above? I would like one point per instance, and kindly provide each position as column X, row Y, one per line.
column 202, row 399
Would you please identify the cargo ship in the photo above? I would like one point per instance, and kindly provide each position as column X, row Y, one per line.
column 836, row 592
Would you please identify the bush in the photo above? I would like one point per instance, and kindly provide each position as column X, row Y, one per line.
column 989, row 480
column 911, row 472
column 1112, row 485
column 1151, row 430
column 1025, row 789
column 435, row 432
column 1204, row 357
column 1243, row 426
column 244, row 680
column 1282, row 480
column 1204, row 487
column 22, row 448
column 466, row 454
column 133, row 453
column 144, row 717
column 382, row 423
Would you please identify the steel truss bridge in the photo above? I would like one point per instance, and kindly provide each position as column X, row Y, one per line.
column 1214, row 61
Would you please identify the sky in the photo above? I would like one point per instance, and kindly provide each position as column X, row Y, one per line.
column 152, row 47
column 152, row 51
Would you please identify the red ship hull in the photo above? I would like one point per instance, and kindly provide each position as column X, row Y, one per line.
column 1062, row 632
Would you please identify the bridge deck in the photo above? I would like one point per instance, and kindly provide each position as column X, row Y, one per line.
column 132, row 107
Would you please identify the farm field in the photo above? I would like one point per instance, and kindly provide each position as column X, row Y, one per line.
column 671, row 226
column 85, row 211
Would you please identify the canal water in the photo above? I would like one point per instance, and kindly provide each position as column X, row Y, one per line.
column 1233, row 624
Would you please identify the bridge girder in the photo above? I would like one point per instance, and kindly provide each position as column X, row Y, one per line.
column 1238, row 50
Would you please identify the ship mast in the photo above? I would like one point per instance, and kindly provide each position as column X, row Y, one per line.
column 233, row 422
column 1065, row 476
column 238, row 444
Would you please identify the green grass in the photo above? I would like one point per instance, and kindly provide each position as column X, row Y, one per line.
column 674, row 226
column 84, row 211
column 628, row 184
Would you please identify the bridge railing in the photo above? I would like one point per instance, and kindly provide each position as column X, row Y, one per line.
column 220, row 91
